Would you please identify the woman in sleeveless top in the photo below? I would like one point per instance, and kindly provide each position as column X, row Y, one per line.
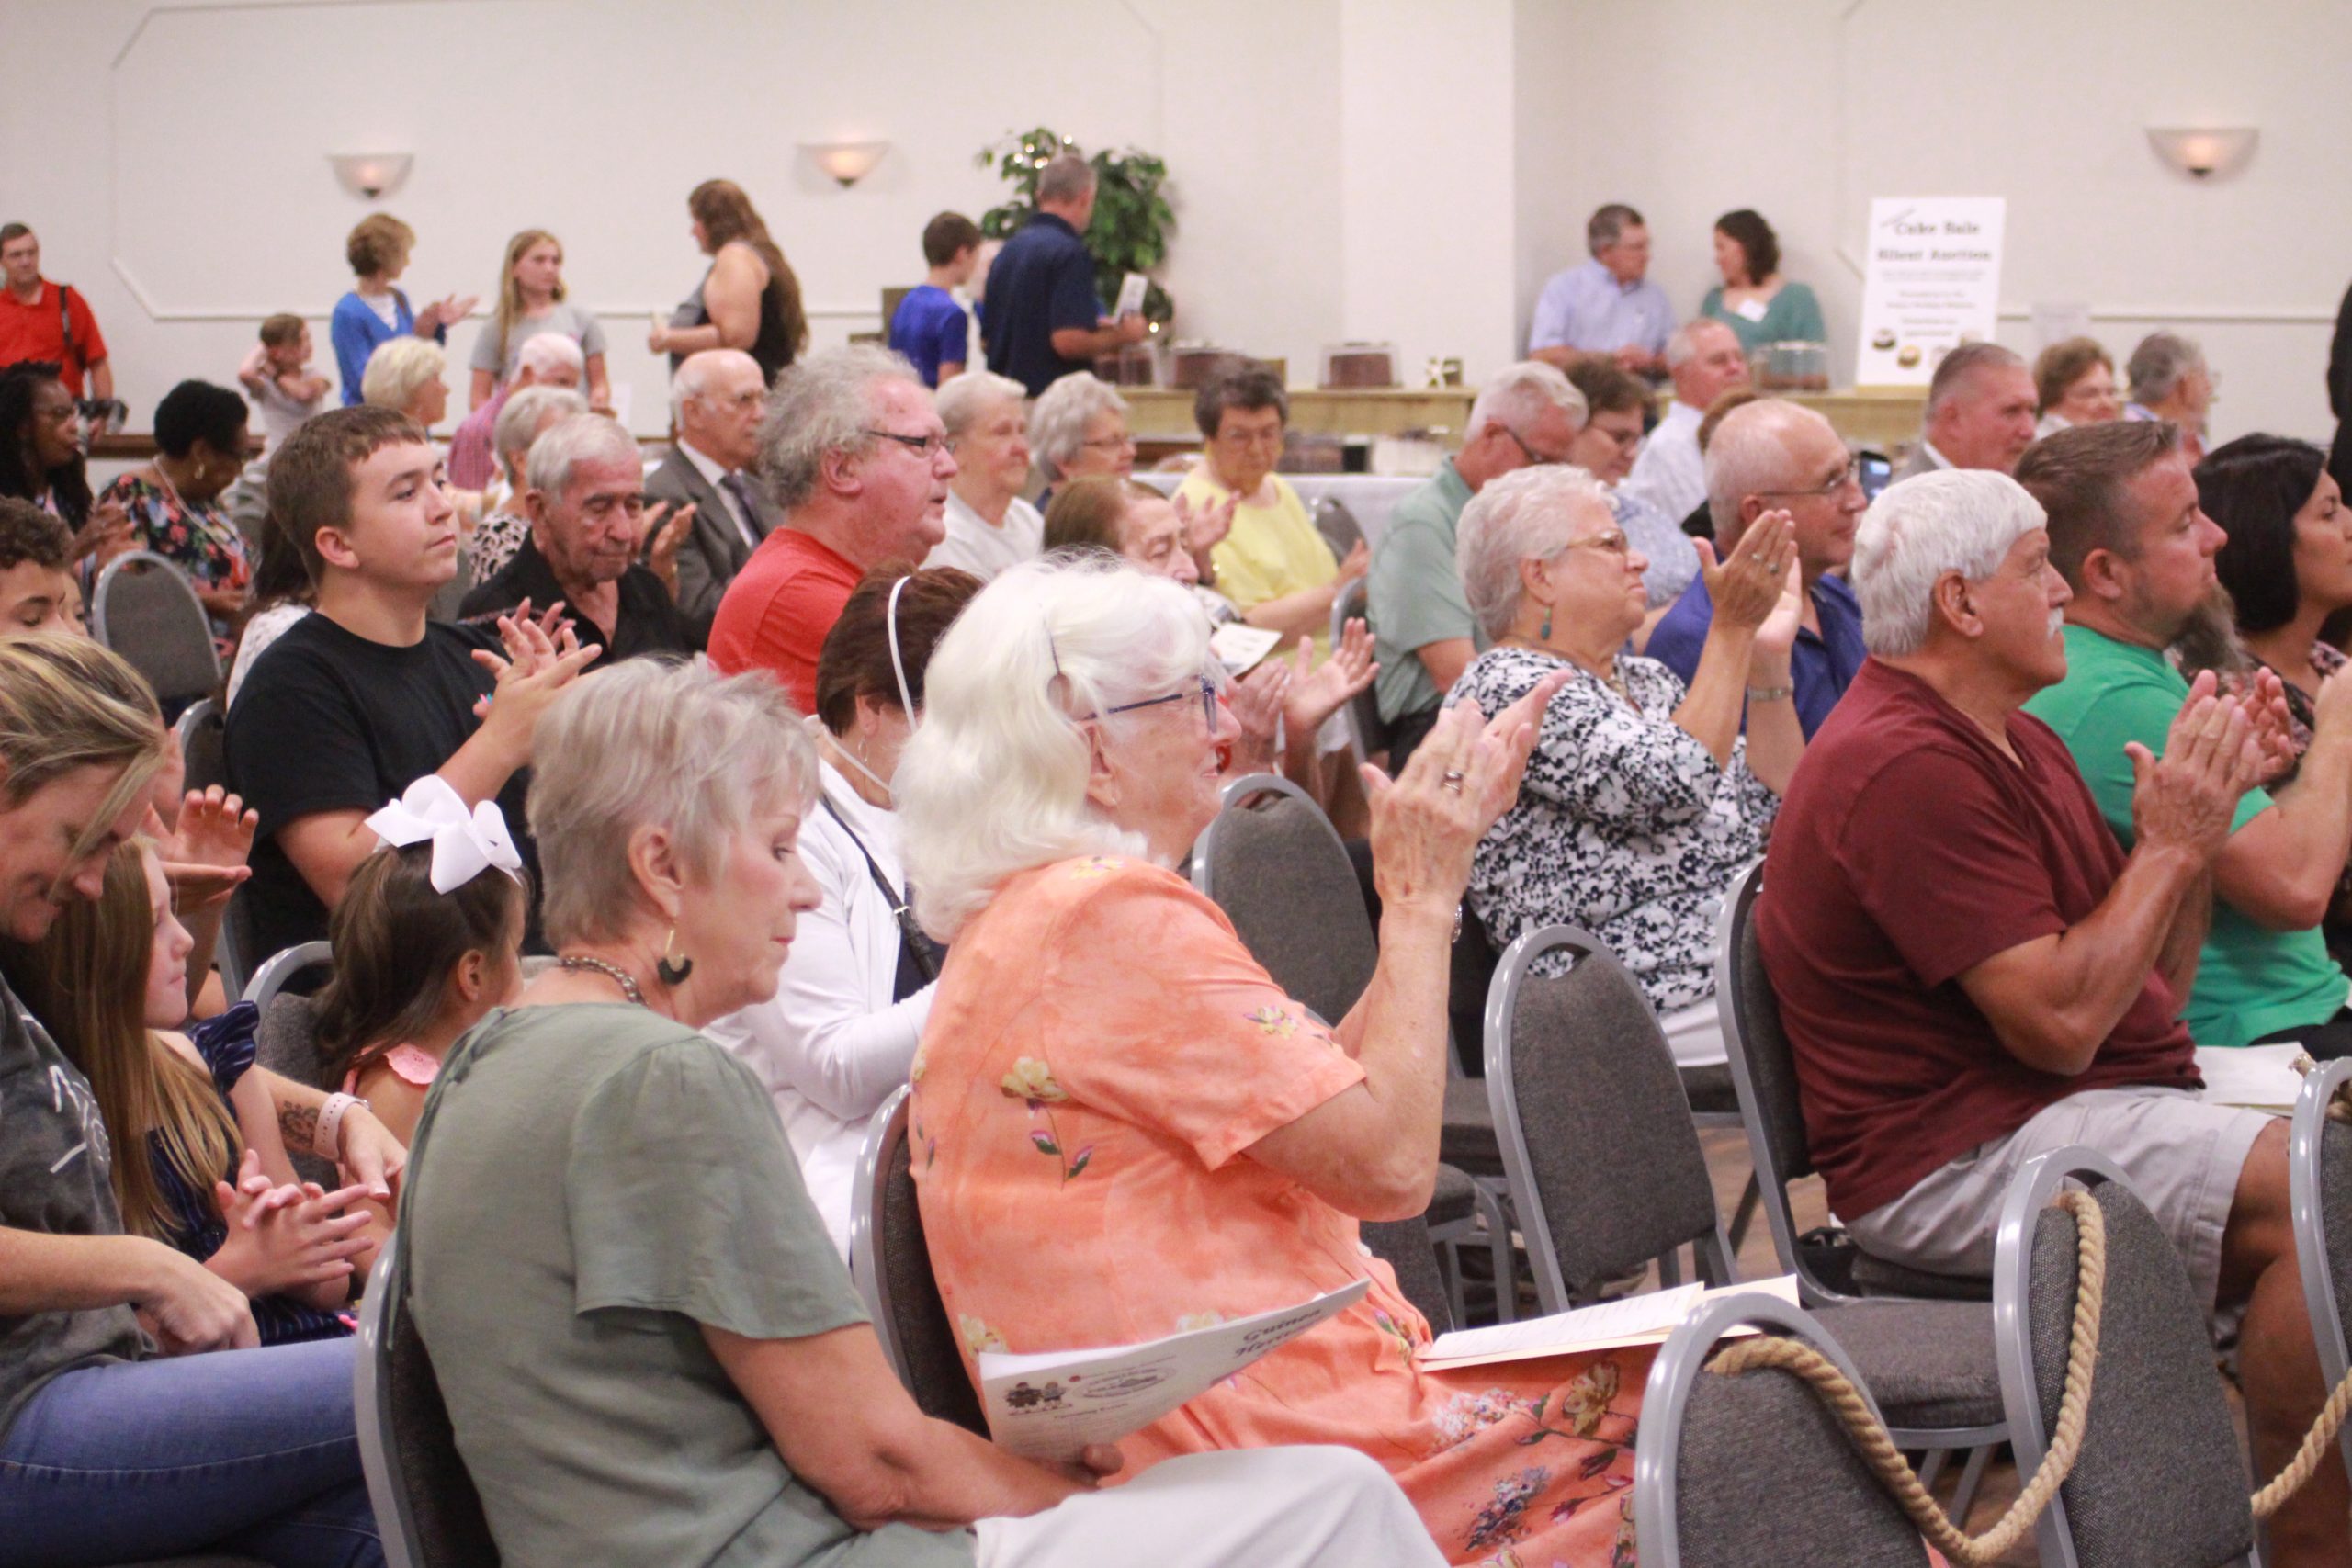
column 749, row 299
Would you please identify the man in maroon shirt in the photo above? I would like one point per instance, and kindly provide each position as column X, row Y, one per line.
column 855, row 458
column 1970, row 971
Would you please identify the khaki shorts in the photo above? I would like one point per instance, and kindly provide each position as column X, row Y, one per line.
column 2181, row 1155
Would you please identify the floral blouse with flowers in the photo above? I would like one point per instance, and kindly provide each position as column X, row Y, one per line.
column 197, row 537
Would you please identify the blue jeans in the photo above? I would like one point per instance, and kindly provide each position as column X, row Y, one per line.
column 249, row 1451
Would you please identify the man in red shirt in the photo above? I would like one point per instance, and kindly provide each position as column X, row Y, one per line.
column 45, row 320
column 1971, row 972
column 856, row 459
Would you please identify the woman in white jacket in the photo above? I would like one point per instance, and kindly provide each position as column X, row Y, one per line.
column 854, row 993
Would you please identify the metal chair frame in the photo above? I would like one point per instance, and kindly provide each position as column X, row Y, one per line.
column 884, row 1128
column 2306, row 1193
column 279, row 971
column 100, row 593
column 380, row 1451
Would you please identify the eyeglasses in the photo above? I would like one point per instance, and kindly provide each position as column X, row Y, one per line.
column 1849, row 474
column 1208, row 703
column 1612, row 543
column 1534, row 459
column 1110, row 443
column 924, row 446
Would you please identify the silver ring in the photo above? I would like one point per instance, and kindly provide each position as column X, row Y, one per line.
column 1451, row 779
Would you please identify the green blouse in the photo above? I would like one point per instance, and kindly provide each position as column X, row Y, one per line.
column 1792, row 315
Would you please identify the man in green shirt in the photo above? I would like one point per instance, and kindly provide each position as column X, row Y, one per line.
column 1423, row 632
column 2126, row 530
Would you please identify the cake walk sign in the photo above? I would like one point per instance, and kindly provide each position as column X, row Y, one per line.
column 1931, row 282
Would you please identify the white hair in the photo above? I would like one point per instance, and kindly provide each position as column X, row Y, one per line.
column 818, row 406
column 582, row 438
column 994, row 780
column 659, row 742
column 543, row 352
column 692, row 377
column 1962, row 520
column 398, row 370
column 1057, row 424
column 1749, row 454
column 963, row 399
column 2157, row 366
column 1528, row 515
column 1683, row 346
column 1519, row 394
column 519, row 418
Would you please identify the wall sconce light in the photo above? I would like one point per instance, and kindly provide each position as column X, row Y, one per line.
column 369, row 175
column 846, row 161
column 2200, row 153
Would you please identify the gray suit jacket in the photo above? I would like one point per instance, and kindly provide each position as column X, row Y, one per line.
column 1913, row 467
column 714, row 551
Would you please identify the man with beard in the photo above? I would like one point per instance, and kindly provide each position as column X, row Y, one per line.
column 2127, row 533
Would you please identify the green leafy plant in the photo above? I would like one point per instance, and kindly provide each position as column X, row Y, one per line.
column 1132, row 218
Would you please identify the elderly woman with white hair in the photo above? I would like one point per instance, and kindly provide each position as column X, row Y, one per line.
column 649, row 1349
column 990, row 527
column 523, row 417
column 1642, row 797
column 1078, row 429
column 1123, row 1128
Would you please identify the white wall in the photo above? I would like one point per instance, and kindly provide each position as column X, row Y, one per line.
column 1805, row 109
column 1341, row 168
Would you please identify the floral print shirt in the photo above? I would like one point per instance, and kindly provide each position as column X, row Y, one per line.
column 197, row 537
column 1625, row 825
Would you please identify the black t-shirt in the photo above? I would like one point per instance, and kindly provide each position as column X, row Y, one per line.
column 647, row 621
column 330, row 721
column 1041, row 282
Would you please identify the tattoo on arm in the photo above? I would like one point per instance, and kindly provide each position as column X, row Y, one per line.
column 298, row 1125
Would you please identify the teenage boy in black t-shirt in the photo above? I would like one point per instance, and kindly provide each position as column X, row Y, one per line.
column 356, row 700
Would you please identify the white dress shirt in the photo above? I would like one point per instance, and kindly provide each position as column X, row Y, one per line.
column 713, row 472
column 830, row 1045
column 983, row 548
column 1669, row 474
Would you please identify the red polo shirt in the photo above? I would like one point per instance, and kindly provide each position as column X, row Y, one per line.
column 35, row 331
column 775, row 614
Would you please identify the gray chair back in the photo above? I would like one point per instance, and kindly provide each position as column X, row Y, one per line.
column 303, row 967
column 2319, row 1182
column 1617, row 1177
column 145, row 609
column 1407, row 1248
column 1731, row 1471
column 1367, row 731
column 286, row 1042
column 891, row 1265
column 1272, row 861
column 2160, row 1477
column 453, row 592
column 1337, row 525
column 203, row 735
column 428, row 1511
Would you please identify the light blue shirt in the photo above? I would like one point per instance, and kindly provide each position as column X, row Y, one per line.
column 1586, row 307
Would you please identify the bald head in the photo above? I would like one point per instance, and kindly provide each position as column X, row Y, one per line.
column 718, row 398
column 1705, row 360
column 1772, row 455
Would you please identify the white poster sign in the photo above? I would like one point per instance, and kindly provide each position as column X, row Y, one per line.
column 1932, row 281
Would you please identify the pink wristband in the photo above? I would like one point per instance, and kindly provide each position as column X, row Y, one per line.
column 326, row 1142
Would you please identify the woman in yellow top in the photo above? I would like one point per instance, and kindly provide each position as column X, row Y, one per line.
column 1272, row 563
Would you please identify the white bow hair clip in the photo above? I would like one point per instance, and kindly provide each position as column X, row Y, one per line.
column 464, row 843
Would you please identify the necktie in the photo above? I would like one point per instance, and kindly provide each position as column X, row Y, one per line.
column 739, row 490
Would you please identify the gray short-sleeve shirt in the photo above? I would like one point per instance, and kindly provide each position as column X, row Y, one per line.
column 589, row 1186
column 562, row 317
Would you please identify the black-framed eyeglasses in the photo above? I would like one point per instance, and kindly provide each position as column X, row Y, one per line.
column 1208, row 703
column 1852, row 474
column 1534, row 459
column 924, row 446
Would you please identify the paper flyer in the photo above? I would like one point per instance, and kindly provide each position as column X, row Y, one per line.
column 2254, row 1077
column 1636, row 1320
column 1051, row 1405
column 1931, row 281
column 1239, row 647
column 1131, row 293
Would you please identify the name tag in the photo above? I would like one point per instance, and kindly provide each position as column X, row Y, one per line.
column 1749, row 309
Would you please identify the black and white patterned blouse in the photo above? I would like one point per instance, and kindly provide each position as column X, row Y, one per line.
column 1625, row 826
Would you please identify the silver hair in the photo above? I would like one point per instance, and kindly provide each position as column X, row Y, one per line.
column 654, row 743
column 692, row 377
column 2159, row 364
column 399, row 369
column 1683, row 346
column 1518, row 395
column 1058, row 423
column 1962, row 520
column 582, row 438
column 819, row 406
column 994, row 781
column 1963, row 362
column 542, row 352
column 519, row 418
column 1607, row 225
column 962, row 399
column 1528, row 515
column 1749, row 455
column 1066, row 179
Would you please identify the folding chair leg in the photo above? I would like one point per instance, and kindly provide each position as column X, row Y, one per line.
column 1931, row 1466
column 1972, row 1476
column 1499, row 1246
column 1749, row 1201
column 1448, row 1264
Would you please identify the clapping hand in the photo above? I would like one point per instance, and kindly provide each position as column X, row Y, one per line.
column 106, row 534
column 661, row 556
column 2188, row 797
column 1749, row 584
column 1206, row 528
column 537, row 665
column 1317, row 694
column 204, row 855
column 1257, row 701
column 2271, row 721
column 299, row 1239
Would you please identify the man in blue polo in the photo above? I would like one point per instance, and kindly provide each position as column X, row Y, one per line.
column 1041, row 316
column 1769, row 456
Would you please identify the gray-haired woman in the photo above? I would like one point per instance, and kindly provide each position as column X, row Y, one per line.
column 650, row 1352
column 1642, row 799
column 1077, row 430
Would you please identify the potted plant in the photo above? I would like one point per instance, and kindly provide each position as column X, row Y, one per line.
column 1132, row 219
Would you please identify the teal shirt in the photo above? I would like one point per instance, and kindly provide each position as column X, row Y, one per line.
column 2251, row 981
column 1414, row 593
column 1792, row 315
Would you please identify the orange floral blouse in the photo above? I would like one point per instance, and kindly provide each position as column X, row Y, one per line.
column 1102, row 1052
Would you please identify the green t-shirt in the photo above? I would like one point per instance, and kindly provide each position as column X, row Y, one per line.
column 589, row 1184
column 2251, row 981
column 1414, row 593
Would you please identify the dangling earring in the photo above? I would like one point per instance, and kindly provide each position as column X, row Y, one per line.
column 673, row 974
column 1543, row 632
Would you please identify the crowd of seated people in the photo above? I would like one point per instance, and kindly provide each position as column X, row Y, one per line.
column 818, row 761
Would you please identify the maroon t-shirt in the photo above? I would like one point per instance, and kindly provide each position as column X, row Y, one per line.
column 1908, row 850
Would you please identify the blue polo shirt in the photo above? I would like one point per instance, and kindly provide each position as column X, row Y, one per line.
column 929, row 329
column 1821, row 665
column 1042, row 282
